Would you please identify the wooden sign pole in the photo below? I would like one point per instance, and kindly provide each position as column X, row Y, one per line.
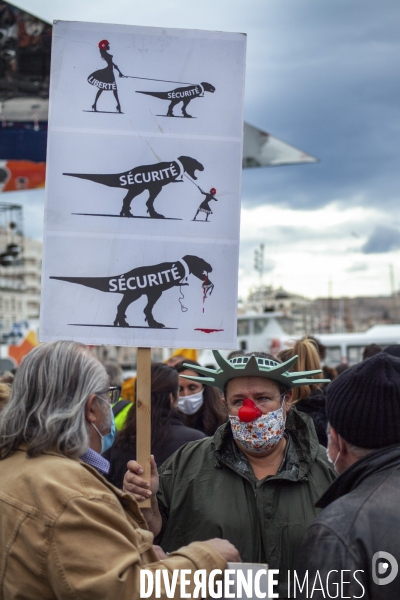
column 143, row 414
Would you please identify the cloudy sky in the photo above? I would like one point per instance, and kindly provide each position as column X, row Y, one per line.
column 324, row 76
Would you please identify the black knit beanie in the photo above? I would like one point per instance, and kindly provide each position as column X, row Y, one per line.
column 363, row 403
column 393, row 350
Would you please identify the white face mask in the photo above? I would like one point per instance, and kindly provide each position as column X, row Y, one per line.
column 189, row 405
column 333, row 462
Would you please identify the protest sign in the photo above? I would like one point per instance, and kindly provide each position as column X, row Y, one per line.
column 143, row 186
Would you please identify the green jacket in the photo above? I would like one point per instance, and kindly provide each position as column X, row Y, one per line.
column 208, row 489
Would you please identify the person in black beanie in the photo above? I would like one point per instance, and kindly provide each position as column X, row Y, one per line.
column 354, row 545
column 393, row 350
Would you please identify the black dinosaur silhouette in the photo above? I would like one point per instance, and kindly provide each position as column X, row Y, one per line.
column 146, row 177
column 182, row 94
column 150, row 281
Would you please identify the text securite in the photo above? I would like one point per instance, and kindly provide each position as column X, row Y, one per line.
column 149, row 176
column 122, row 284
column 185, row 93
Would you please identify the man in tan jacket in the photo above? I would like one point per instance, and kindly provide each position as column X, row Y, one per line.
column 66, row 532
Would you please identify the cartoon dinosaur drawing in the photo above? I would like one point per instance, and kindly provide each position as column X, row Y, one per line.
column 146, row 177
column 182, row 94
column 150, row 281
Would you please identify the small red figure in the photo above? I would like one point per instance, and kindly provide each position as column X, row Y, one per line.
column 249, row 411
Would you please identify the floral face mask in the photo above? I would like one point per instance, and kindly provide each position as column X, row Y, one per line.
column 261, row 434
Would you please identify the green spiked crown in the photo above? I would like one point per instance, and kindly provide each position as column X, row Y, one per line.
column 252, row 366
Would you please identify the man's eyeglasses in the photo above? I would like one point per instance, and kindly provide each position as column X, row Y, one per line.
column 114, row 393
column 258, row 402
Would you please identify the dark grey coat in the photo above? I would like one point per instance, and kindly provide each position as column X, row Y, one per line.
column 361, row 518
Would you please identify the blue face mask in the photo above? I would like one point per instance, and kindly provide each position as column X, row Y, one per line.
column 108, row 439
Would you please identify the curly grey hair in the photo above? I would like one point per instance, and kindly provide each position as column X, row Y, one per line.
column 46, row 410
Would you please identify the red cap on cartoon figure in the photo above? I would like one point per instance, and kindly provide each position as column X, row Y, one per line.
column 213, row 191
column 103, row 44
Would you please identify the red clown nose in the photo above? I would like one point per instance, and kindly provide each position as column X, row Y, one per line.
column 249, row 411
column 103, row 44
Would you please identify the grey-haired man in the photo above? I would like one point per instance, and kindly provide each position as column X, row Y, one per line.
column 65, row 531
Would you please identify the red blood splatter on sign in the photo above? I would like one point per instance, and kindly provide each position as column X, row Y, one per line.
column 207, row 330
column 205, row 288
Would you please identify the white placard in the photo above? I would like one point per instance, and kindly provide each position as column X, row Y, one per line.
column 143, row 186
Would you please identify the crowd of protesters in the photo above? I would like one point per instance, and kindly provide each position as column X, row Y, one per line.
column 274, row 460
column 168, row 432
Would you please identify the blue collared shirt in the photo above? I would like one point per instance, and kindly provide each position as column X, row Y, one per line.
column 96, row 460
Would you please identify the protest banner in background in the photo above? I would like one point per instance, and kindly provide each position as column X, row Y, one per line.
column 143, row 186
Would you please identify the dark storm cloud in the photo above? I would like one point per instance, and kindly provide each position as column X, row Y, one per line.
column 329, row 84
column 383, row 239
column 280, row 236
